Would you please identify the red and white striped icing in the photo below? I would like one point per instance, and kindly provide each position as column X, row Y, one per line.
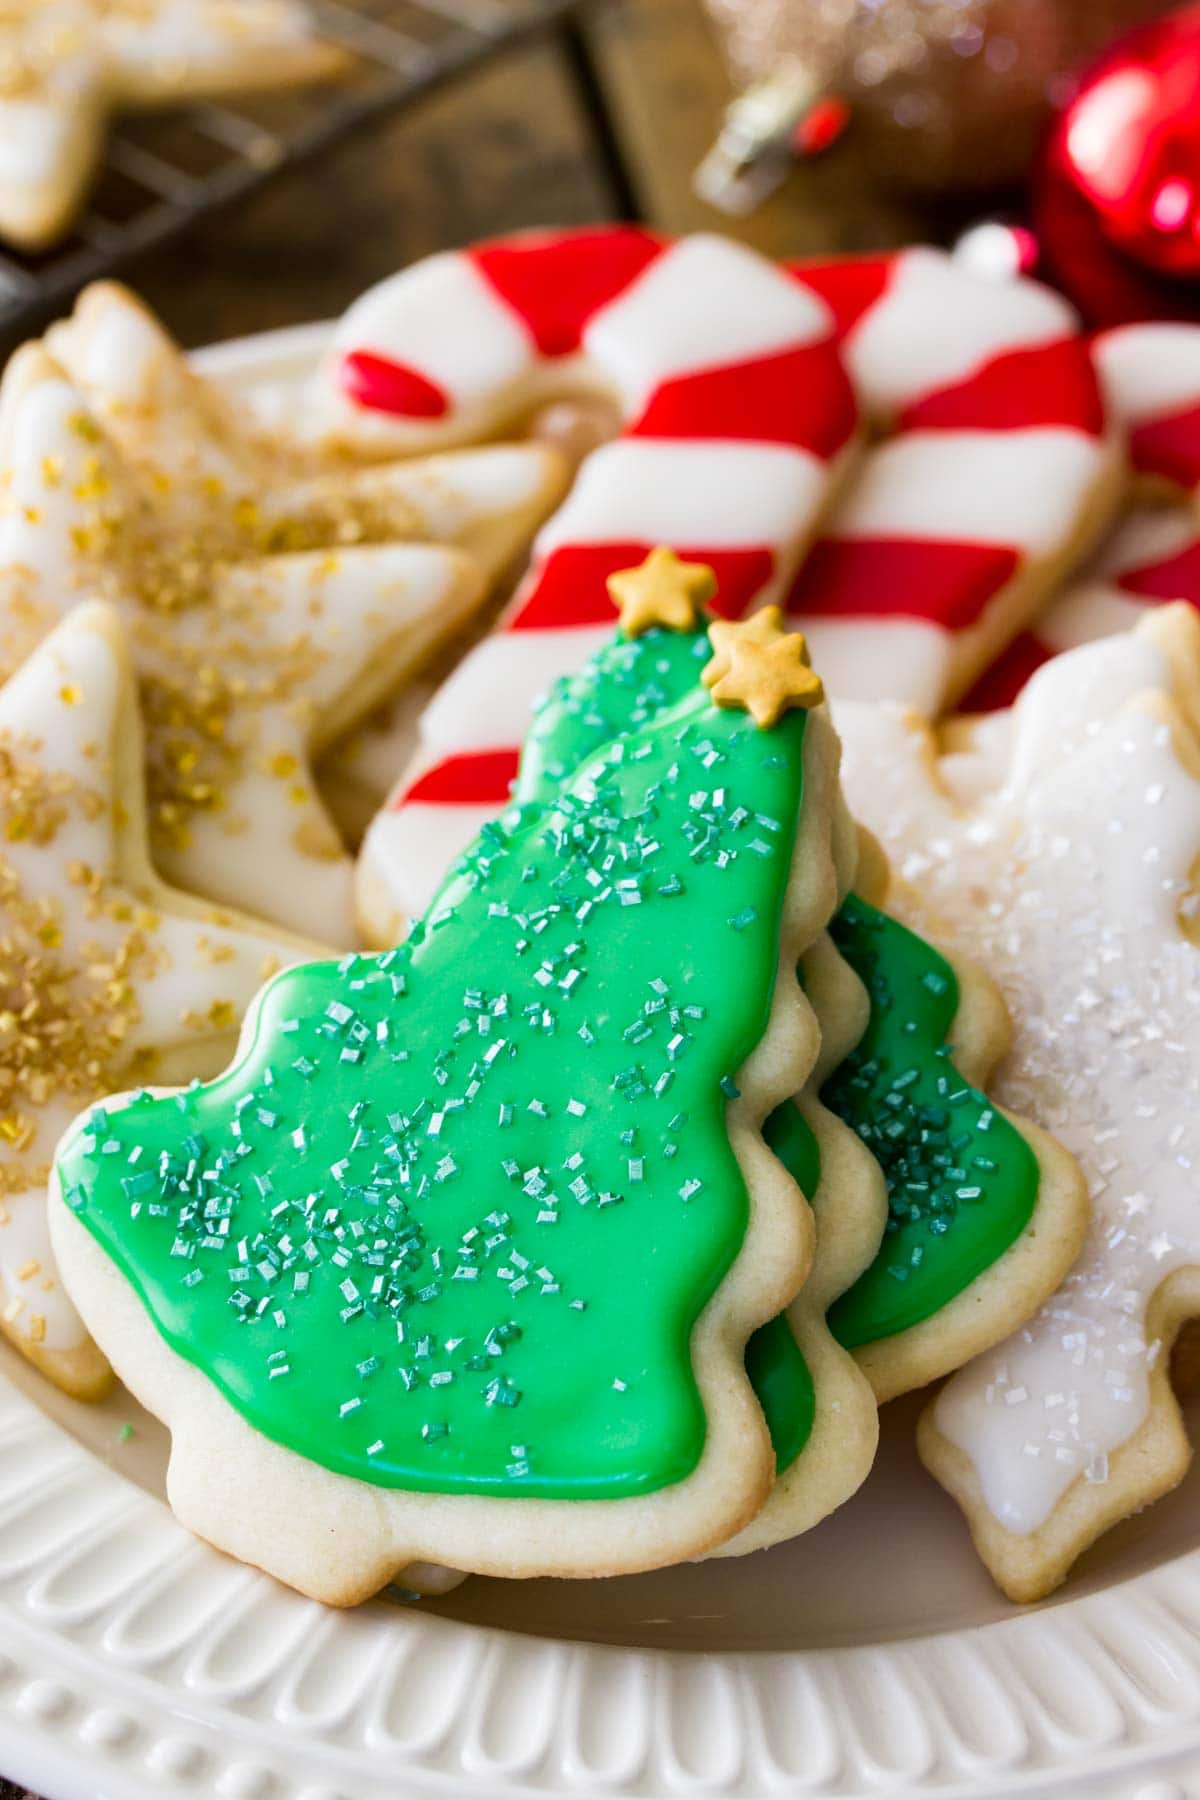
column 1151, row 379
column 993, row 460
column 995, row 455
column 1152, row 557
column 736, row 412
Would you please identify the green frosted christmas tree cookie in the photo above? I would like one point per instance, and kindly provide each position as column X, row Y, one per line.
column 964, row 1181
column 459, row 1260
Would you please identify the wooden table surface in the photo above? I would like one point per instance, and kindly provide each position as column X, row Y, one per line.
column 509, row 147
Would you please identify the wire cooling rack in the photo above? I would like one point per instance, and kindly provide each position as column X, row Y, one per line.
column 163, row 171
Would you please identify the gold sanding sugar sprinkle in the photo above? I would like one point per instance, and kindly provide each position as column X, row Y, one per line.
column 222, row 1015
column 65, row 1020
column 33, row 803
column 203, row 687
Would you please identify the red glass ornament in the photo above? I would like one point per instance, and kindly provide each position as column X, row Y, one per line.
column 1116, row 195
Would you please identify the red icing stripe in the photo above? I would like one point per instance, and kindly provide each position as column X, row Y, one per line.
column 800, row 397
column 849, row 287
column 555, row 284
column 1174, row 578
column 999, row 686
column 1169, row 447
column 946, row 583
column 477, row 778
column 382, row 385
column 1050, row 384
column 570, row 588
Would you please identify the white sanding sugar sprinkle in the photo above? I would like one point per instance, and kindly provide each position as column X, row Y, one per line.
column 1065, row 880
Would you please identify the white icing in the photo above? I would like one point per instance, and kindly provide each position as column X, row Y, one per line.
column 703, row 303
column 487, row 701
column 36, row 136
column 938, row 322
column 1149, row 371
column 355, row 604
column 411, row 857
column 862, row 659
column 63, row 711
column 1097, row 606
column 1064, row 878
column 444, row 319
column 690, row 493
column 1024, row 488
column 368, row 611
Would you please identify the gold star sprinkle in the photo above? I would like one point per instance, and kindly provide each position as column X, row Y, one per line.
column 759, row 666
column 661, row 591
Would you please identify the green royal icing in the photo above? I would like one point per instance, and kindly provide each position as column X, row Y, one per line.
column 627, row 682
column 448, row 1222
column 962, row 1182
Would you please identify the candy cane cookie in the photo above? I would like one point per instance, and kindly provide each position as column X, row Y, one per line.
column 737, row 423
column 444, row 1339
column 1151, row 559
column 1151, row 379
column 108, row 974
column 995, row 475
column 1072, row 870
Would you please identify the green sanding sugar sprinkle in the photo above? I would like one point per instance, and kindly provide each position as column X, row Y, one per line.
column 907, row 1113
column 961, row 1181
column 413, row 1212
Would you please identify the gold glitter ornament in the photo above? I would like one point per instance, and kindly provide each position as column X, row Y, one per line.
column 944, row 93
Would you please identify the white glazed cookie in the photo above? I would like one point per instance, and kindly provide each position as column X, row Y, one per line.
column 108, row 974
column 271, row 601
column 445, row 1169
column 1069, row 864
column 67, row 64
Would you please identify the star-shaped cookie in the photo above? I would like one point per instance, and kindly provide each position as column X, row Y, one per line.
column 760, row 667
column 66, row 65
column 270, row 600
column 107, row 976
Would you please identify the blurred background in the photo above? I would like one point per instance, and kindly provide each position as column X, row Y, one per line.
column 807, row 127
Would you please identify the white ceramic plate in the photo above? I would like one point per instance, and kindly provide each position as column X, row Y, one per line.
column 871, row 1657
